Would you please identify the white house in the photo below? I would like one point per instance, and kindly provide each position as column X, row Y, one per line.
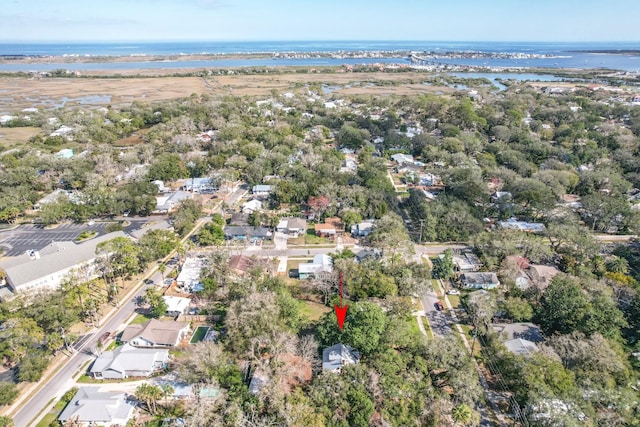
column 362, row 229
column 156, row 333
column 176, row 305
column 189, row 277
column 92, row 407
column 262, row 190
column 169, row 202
column 337, row 356
column 403, row 159
column 293, row 226
column 321, row 264
column 128, row 361
column 251, row 206
column 45, row 269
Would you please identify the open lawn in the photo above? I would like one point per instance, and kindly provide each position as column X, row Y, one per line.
column 454, row 300
column 16, row 136
column 312, row 310
column 139, row 319
column 199, row 334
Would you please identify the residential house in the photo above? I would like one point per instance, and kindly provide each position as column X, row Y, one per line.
column 366, row 254
column 92, row 407
column 521, row 347
column 45, row 269
column 65, row 153
column 514, row 224
column 349, row 165
column 337, row 356
column 362, row 229
column 527, row 331
column 320, row 265
column 325, row 230
column 74, row 197
column 189, row 278
column 242, row 264
column 236, row 232
column 258, row 381
column 403, row 159
column 176, row 305
column 541, row 275
column 479, row 280
column 467, row 262
column 262, row 190
column 167, row 203
column 156, row 333
column 200, row 185
column 251, row 206
column 239, row 219
column 128, row 361
column 292, row 226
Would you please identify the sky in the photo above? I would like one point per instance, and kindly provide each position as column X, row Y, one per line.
column 239, row 20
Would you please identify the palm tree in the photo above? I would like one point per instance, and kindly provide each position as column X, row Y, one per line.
column 162, row 267
column 461, row 414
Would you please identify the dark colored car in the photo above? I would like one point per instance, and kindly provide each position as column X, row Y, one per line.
column 104, row 337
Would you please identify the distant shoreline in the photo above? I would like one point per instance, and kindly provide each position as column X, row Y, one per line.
column 629, row 52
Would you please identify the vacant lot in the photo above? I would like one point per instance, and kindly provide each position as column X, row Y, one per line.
column 12, row 136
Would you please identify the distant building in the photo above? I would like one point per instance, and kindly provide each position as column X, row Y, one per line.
column 362, row 229
column 169, row 202
column 262, row 190
column 337, row 356
column 46, row 269
column 521, row 347
column 65, row 153
column 200, row 185
column 251, row 206
column 514, row 224
column 403, row 159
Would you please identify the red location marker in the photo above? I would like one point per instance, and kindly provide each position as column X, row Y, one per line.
column 341, row 311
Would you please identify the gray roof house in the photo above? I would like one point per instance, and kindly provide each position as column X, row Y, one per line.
column 156, row 333
column 337, row 356
column 521, row 347
column 91, row 407
column 128, row 361
column 170, row 202
column 262, row 190
column 294, row 226
column 321, row 264
column 46, row 268
column 479, row 280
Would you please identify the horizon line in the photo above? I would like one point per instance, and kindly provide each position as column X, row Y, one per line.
column 77, row 41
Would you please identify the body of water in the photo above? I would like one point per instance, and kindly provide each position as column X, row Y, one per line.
column 565, row 55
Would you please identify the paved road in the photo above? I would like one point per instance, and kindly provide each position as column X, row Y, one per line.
column 34, row 236
column 63, row 379
column 439, row 322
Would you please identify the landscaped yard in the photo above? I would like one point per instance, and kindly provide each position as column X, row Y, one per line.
column 313, row 310
column 139, row 319
column 309, row 239
column 199, row 334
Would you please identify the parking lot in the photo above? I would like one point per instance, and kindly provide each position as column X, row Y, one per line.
column 35, row 236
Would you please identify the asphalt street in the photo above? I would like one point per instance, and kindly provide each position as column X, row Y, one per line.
column 84, row 351
column 439, row 322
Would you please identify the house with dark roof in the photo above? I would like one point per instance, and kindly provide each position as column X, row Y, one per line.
column 337, row 356
column 92, row 407
column 156, row 333
column 46, row 269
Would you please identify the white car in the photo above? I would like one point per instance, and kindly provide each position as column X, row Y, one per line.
column 453, row 292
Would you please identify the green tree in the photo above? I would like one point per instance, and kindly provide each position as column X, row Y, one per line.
column 443, row 265
column 363, row 328
column 518, row 309
column 461, row 414
column 8, row 392
column 32, row 366
column 157, row 305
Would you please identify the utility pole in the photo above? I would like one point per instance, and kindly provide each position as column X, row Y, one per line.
column 421, row 228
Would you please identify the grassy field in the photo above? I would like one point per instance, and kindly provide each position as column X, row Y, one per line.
column 199, row 334
column 454, row 300
column 16, row 136
column 294, row 263
column 139, row 319
column 312, row 310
